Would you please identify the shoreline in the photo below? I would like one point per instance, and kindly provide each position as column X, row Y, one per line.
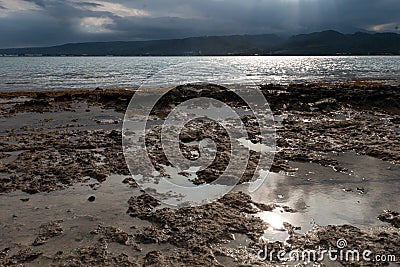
column 70, row 141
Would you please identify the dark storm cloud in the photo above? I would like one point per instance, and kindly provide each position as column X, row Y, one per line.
column 47, row 30
column 40, row 3
column 87, row 4
column 50, row 22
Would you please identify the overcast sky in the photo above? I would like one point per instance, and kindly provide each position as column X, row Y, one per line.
column 50, row 22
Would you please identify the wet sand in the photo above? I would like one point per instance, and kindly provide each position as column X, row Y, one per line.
column 67, row 199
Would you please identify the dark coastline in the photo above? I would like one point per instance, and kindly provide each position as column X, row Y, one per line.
column 325, row 43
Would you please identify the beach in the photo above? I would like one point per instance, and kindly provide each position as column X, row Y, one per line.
column 68, row 198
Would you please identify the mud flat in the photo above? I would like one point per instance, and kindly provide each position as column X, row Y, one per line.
column 67, row 198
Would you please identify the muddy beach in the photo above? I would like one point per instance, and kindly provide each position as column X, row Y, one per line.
column 67, row 197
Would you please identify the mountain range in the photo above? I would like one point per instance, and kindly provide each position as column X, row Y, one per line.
column 318, row 43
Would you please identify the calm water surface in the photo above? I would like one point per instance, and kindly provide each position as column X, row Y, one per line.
column 34, row 73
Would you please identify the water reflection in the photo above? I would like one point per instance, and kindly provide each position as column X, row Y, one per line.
column 322, row 196
column 25, row 73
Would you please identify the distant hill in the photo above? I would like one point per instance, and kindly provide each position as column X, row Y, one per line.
column 318, row 43
column 213, row 45
column 332, row 42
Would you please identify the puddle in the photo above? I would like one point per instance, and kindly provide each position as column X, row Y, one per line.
column 176, row 177
column 21, row 214
column 176, row 190
column 257, row 147
column 211, row 108
column 11, row 156
column 15, row 100
column 323, row 196
column 81, row 116
column 276, row 231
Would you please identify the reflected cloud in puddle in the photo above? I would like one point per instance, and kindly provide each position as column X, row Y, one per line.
column 316, row 192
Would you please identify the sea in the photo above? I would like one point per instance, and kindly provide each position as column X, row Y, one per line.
column 63, row 73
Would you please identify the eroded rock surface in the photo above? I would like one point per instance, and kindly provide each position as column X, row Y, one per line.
column 54, row 140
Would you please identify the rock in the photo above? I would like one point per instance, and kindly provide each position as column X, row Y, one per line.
column 91, row 198
column 47, row 231
column 96, row 174
column 130, row 181
column 20, row 258
column 361, row 190
column 141, row 205
column 391, row 217
column 324, row 103
column 112, row 234
column 379, row 241
column 198, row 227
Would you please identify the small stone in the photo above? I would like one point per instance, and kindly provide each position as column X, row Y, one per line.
column 361, row 190
column 91, row 198
column 127, row 180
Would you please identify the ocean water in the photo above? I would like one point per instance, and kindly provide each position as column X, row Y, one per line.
column 37, row 73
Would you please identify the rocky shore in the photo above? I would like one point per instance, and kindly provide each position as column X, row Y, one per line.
column 61, row 157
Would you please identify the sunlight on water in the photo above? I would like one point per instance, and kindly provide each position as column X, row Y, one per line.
column 274, row 220
column 33, row 73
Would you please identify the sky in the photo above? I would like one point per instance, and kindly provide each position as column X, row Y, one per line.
column 26, row 23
